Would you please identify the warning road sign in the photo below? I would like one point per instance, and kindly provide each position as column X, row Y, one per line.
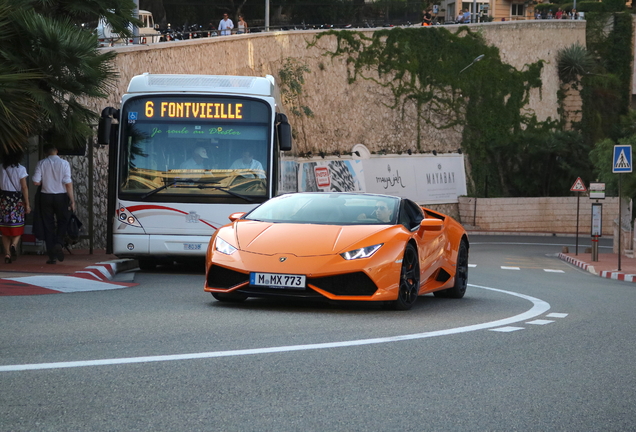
column 622, row 161
column 578, row 186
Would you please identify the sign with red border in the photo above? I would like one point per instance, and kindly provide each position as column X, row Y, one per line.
column 578, row 186
column 322, row 176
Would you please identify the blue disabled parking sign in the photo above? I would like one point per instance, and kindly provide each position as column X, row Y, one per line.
column 622, row 160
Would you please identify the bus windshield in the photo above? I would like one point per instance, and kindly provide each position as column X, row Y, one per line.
column 195, row 146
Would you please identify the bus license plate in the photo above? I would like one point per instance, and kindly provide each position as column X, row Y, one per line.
column 272, row 280
column 192, row 246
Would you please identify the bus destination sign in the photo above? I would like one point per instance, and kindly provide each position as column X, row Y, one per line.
column 194, row 110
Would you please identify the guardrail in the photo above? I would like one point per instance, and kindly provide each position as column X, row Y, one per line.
column 169, row 35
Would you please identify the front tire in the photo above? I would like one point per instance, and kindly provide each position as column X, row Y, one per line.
column 409, row 288
column 147, row 264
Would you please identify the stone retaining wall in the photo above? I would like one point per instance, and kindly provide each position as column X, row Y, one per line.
column 541, row 215
column 344, row 114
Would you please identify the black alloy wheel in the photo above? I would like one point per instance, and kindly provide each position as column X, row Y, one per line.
column 409, row 288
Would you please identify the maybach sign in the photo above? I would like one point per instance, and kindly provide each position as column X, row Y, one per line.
column 422, row 178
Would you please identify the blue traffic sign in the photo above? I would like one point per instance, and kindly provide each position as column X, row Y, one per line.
column 622, row 160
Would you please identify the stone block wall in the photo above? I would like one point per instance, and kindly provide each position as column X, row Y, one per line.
column 539, row 215
column 344, row 114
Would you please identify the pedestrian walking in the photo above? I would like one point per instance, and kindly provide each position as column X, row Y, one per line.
column 242, row 25
column 226, row 25
column 14, row 203
column 56, row 198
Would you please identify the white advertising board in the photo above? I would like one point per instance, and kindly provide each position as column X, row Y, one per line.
column 425, row 179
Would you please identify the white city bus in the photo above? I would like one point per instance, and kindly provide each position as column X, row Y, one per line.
column 188, row 151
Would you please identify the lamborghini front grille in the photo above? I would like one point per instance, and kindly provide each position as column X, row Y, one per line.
column 349, row 284
column 221, row 277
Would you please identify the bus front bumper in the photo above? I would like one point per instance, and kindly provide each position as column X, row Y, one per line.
column 160, row 246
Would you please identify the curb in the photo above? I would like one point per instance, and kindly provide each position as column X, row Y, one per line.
column 578, row 263
column 95, row 277
column 608, row 274
column 106, row 271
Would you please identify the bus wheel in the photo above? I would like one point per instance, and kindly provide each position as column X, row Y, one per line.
column 147, row 264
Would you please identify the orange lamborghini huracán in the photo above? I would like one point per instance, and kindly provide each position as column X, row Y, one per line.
column 338, row 246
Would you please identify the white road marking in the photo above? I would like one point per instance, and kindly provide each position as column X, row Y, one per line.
column 553, row 271
column 556, row 315
column 507, row 329
column 509, row 268
column 539, row 307
column 472, row 265
column 67, row 284
column 540, row 322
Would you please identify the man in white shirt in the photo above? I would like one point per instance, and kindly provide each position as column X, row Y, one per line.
column 226, row 25
column 196, row 161
column 56, row 198
column 246, row 162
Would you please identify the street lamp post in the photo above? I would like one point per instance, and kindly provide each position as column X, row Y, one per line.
column 266, row 15
column 478, row 58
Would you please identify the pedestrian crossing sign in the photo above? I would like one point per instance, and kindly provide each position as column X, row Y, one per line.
column 622, row 161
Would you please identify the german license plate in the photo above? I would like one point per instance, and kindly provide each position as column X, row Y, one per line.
column 273, row 280
column 192, row 246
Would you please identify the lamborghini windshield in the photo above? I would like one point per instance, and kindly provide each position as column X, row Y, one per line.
column 198, row 146
column 329, row 209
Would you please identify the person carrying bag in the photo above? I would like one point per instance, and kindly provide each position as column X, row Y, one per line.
column 56, row 198
column 14, row 204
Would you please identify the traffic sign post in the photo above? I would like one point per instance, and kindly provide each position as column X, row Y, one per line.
column 622, row 159
column 621, row 163
column 578, row 187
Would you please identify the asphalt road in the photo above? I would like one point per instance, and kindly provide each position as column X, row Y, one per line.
column 535, row 345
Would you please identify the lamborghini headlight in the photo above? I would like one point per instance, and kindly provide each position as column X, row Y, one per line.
column 224, row 247
column 364, row 252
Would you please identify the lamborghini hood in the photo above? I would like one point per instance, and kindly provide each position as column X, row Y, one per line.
column 302, row 240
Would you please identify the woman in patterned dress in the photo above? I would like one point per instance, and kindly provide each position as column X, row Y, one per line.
column 14, row 203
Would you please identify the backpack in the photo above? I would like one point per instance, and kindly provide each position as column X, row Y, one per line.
column 73, row 230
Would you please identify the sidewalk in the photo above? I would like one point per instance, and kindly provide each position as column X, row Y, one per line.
column 606, row 266
column 80, row 271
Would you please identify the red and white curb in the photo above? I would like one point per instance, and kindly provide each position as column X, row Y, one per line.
column 577, row 263
column 96, row 277
column 608, row 274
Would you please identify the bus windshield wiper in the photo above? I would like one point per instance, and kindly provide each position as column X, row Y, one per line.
column 197, row 185
column 159, row 189
column 224, row 189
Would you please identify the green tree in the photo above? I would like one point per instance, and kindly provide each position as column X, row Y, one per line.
column 19, row 110
column 48, row 59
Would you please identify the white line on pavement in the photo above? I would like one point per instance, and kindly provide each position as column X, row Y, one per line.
column 538, row 307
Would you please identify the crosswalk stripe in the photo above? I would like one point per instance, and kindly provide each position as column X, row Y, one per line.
column 540, row 322
column 556, row 315
column 507, row 329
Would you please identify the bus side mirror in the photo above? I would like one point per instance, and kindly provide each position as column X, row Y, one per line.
column 284, row 132
column 104, row 128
